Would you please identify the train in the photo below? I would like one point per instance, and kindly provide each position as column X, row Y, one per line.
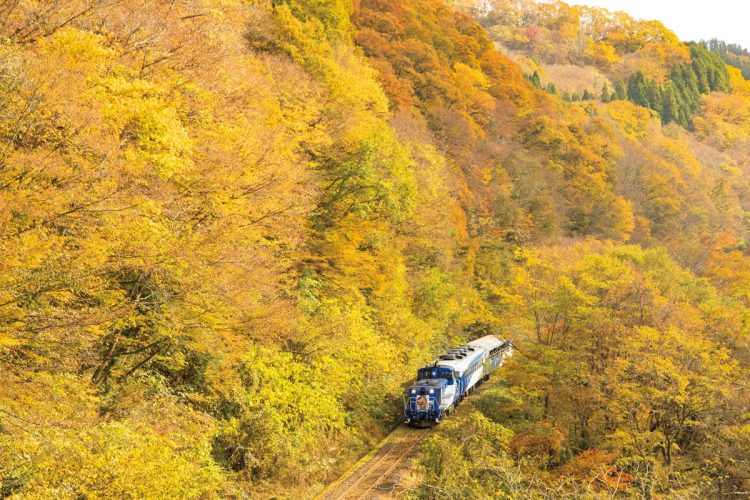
column 442, row 384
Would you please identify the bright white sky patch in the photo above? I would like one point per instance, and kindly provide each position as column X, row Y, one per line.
column 691, row 20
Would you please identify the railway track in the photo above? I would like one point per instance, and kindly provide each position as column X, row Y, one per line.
column 378, row 476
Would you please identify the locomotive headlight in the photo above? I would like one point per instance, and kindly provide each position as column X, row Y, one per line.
column 413, row 391
column 432, row 391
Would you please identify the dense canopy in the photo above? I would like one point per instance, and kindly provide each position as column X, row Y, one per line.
column 232, row 230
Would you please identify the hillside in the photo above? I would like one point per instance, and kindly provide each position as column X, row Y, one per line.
column 232, row 230
column 733, row 55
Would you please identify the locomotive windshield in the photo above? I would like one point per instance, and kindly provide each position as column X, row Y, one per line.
column 436, row 372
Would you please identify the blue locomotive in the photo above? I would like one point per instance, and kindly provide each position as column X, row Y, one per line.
column 441, row 385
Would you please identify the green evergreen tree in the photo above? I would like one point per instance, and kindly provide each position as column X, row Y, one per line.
column 691, row 82
column 686, row 84
column 709, row 67
column 637, row 89
column 670, row 107
column 587, row 95
column 698, row 67
column 653, row 95
column 683, row 117
column 620, row 90
column 605, row 96
column 535, row 81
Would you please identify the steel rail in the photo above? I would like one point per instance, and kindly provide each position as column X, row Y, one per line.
column 398, row 462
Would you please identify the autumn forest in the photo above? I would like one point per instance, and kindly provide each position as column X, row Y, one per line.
column 232, row 230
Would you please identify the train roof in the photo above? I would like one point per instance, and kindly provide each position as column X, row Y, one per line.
column 477, row 348
column 460, row 365
column 488, row 342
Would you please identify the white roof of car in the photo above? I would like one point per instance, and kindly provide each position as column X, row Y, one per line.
column 481, row 345
column 487, row 342
column 460, row 365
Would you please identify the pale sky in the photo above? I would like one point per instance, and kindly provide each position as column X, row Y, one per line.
column 691, row 20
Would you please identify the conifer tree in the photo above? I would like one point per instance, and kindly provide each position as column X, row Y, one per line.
column 620, row 90
column 637, row 89
column 653, row 95
column 670, row 107
column 535, row 81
